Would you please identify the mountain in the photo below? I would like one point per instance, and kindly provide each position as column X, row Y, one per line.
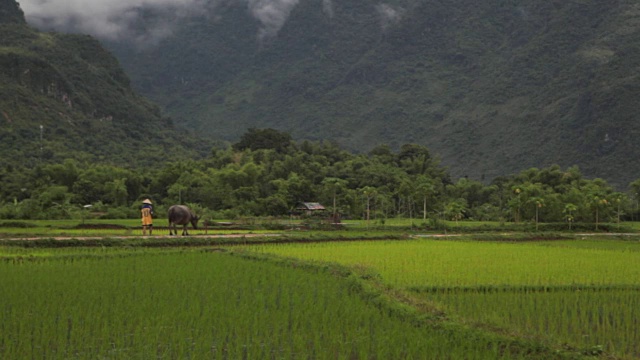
column 10, row 12
column 64, row 96
column 493, row 87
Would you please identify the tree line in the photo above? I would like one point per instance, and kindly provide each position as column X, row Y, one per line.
column 266, row 173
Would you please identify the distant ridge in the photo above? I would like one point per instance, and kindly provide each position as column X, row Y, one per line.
column 493, row 87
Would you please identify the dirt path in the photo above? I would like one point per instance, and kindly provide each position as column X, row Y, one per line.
column 211, row 236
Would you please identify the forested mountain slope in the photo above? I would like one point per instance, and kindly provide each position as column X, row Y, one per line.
column 493, row 87
column 64, row 96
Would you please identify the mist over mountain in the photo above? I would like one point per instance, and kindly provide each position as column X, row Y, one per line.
column 145, row 22
column 63, row 96
column 493, row 87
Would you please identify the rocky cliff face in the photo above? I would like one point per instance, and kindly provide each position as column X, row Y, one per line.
column 64, row 96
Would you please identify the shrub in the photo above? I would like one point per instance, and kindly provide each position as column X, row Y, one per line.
column 16, row 224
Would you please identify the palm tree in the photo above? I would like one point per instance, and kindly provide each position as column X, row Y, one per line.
column 455, row 209
column 598, row 202
column 568, row 211
column 369, row 192
column 515, row 203
column 538, row 202
column 619, row 199
column 424, row 187
column 334, row 185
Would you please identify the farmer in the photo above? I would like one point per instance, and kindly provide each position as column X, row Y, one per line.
column 147, row 219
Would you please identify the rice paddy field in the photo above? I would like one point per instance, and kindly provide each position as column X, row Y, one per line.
column 581, row 292
column 118, row 304
column 420, row 298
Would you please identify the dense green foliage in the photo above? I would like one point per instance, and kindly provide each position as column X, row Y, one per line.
column 273, row 179
column 65, row 97
column 494, row 87
column 76, row 134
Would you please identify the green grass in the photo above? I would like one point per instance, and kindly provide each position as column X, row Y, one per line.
column 618, row 244
column 101, row 228
column 376, row 227
column 196, row 305
column 635, row 225
column 580, row 291
column 467, row 263
column 583, row 293
column 587, row 318
column 130, row 232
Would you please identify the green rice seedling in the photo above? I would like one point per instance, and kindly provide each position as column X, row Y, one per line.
column 197, row 305
column 583, row 295
column 606, row 318
column 465, row 263
column 621, row 243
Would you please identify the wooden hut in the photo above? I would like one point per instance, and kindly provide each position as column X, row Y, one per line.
column 310, row 208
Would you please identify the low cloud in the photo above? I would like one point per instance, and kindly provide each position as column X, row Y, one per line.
column 127, row 20
column 272, row 14
column 112, row 19
column 389, row 15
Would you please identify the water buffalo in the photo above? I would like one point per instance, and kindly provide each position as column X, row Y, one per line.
column 181, row 215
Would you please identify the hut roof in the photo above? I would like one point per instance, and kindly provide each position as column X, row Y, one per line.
column 310, row 206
